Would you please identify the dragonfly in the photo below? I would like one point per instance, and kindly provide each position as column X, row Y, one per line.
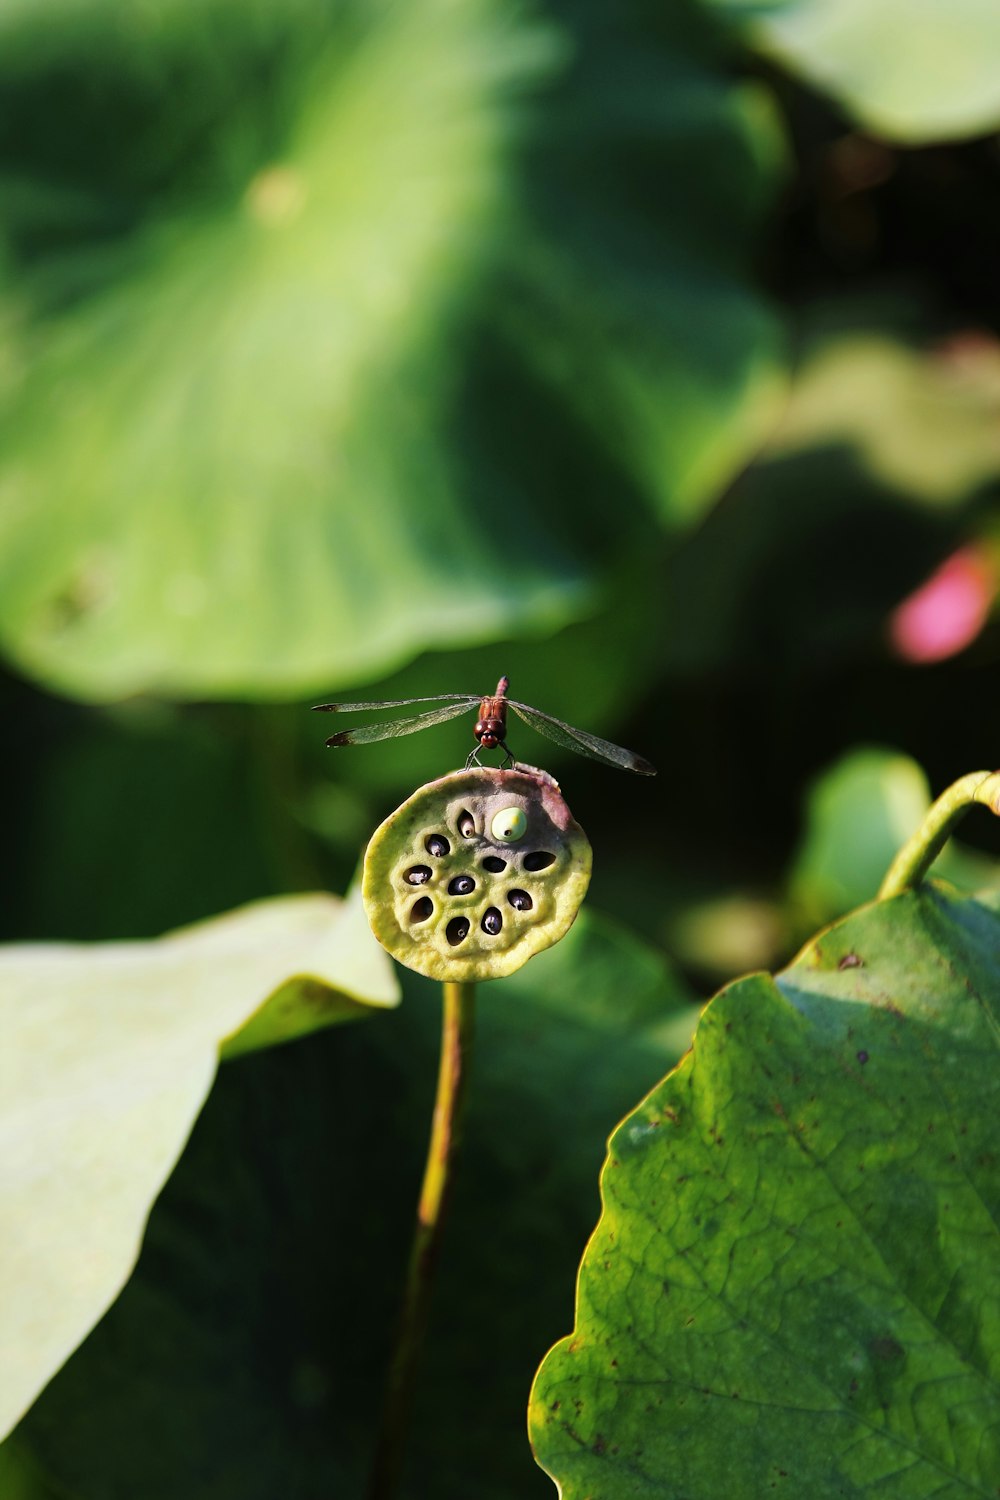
column 490, row 728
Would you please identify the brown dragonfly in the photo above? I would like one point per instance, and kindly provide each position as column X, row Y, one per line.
column 491, row 726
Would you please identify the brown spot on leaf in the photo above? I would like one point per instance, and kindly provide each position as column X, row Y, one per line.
column 851, row 961
column 885, row 1348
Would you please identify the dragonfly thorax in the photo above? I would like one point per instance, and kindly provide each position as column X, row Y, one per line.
column 491, row 725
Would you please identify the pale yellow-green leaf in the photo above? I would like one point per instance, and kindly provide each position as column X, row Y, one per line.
column 109, row 1051
column 925, row 423
column 911, row 70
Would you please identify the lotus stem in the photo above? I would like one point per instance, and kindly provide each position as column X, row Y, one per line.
column 919, row 853
column 435, row 1193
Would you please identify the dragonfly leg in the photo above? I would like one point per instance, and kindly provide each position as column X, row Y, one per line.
column 508, row 760
column 473, row 760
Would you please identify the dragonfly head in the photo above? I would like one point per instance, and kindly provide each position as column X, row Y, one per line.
column 489, row 731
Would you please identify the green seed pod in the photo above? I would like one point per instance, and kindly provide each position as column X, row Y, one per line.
column 475, row 873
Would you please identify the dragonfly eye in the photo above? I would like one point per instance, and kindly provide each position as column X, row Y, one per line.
column 509, row 825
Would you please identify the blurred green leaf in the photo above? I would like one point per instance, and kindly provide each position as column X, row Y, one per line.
column 727, row 934
column 633, row 289
column 910, row 70
column 887, row 440
column 797, row 1273
column 403, row 358
column 109, row 1053
column 21, row 1478
column 244, row 1359
column 923, row 420
column 859, row 812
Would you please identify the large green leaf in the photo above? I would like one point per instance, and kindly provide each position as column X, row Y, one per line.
column 631, row 293
column 795, row 1283
column 109, row 1051
column 339, row 333
column 911, row 70
column 244, row 1358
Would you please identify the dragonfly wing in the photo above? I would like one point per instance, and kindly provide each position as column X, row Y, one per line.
column 463, row 698
column 367, row 734
column 580, row 741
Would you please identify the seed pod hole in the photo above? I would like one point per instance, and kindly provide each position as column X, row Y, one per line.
column 492, row 921
column 462, row 885
column 466, row 824
column 422, row 909
column 520, row 900
column 417, row 875
column 457, row 930
column 437, row 844
column 540, row 860
column 494, row 864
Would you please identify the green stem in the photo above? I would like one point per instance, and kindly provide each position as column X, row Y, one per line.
column 439, row 1172
column 919, row 853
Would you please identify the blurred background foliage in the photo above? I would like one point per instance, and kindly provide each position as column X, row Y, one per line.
column 648, row 353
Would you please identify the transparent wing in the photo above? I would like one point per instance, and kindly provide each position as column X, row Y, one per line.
column 580, row 741
column 463, row 698
column 367, row 734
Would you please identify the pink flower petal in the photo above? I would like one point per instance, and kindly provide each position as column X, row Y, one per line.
column 945, row 614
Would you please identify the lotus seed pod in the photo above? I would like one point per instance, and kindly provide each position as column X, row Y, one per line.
column 475, row 873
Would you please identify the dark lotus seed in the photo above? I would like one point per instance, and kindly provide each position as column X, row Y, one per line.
column 417, row 875
column 492, row 921
column 495, row 863
column 422, row 909
column 457, row 930
column 437, row 845
column 520, row 900
column 466, row 825
column 461, row 885
column 539, row 861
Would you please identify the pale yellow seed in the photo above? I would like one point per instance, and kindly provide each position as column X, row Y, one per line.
column 509, row 825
